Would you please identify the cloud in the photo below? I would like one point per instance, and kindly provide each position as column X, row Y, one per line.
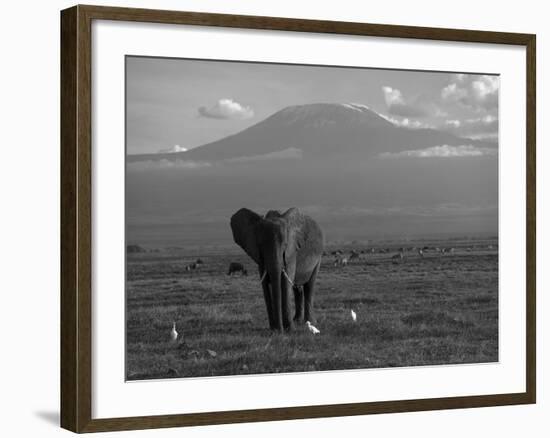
column 485, row 91
column 285, row 154
column 477, row 92
column 453, row 92
column 226, row 109
column 148, row 165
column 139, row 166
column 398, row 106
column 459, row 77
column 489, row 136
column 453, row 123
column 443, row 151
column 405, row 122
column 485, row 86
column 393, row 96
column 477, row 127
column 488, row 123
column 173, row 150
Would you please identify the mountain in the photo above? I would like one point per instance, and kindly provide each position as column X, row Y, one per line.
column 327, row 160
column 318, row 130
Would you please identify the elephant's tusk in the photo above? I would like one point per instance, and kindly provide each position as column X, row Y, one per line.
column 288, row 278
column 262, row 278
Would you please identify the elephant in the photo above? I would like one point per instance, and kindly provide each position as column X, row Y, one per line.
column 288, row 249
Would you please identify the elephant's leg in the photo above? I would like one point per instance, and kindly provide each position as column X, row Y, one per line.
column 285, row 297
column 299, row 304
column 268, row 303
column 309, row 291
column 277, row 292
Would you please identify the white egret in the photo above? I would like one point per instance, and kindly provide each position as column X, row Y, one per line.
column 173, row 333
column 353, row 316
column 312, row 328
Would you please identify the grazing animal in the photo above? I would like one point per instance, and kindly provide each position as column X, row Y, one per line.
column 340, row 261
column 287, row 248
column 173, row 333
column 312, row 328
column 354, row 255
column 236, row 267
column 398, row 256
column 193, row 266
column 353, row 316
column 199, row 262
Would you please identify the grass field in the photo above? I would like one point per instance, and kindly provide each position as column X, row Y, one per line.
column 436, row 309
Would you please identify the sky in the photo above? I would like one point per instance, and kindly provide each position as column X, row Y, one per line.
column 178, row 104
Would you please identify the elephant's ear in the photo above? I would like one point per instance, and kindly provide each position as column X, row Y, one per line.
column 243, row 224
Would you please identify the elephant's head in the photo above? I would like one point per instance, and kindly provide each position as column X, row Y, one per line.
column 271, row 241
column 268, row 239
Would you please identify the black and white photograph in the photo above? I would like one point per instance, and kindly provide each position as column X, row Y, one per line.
column 285, row 218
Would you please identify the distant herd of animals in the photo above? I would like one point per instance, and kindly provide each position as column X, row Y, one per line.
column 287, row 248
column 341, row 258
column 400, row 254
column 195, row 265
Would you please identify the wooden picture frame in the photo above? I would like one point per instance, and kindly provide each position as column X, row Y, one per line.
column 76, row 218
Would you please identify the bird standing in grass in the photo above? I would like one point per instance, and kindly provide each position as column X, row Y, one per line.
column 173, row 333
column 312, row 328
column 353, row 316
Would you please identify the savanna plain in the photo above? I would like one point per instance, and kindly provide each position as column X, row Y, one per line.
column 431, row 307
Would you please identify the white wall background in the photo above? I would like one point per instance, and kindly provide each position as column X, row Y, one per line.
column 29, row 223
